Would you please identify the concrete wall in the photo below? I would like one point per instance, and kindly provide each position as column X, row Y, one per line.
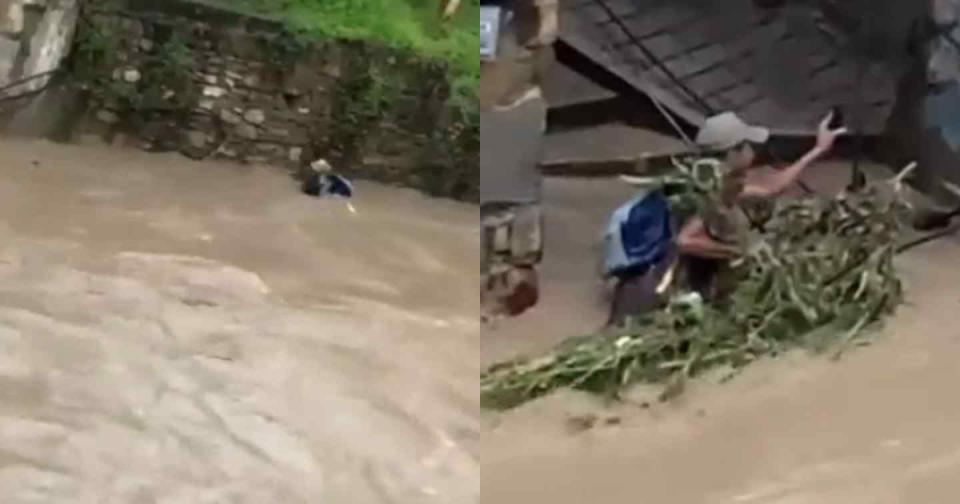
column 35, row 37
column 35, row 41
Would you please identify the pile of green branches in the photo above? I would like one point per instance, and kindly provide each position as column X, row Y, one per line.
column 819, row 276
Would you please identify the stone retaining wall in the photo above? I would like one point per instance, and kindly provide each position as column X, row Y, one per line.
column 178, row 75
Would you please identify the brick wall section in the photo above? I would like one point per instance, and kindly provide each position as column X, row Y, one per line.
column 256, row 94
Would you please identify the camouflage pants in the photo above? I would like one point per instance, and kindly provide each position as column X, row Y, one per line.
column 512, row 248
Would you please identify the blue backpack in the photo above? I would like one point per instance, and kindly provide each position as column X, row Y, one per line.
column 639, row 235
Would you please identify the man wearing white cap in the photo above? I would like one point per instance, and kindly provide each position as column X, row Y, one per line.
column 707, row 240
column 322, row 181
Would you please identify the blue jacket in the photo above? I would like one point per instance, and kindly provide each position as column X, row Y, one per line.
column 639, row 235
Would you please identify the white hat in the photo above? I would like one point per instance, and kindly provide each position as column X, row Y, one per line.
column 727, row 130
column 321, row 166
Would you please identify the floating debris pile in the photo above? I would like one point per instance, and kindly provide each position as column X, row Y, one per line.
column 819, row 276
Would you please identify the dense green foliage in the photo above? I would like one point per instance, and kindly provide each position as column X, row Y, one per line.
column 405, row 24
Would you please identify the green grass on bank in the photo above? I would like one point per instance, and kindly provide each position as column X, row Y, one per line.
column 405, row 24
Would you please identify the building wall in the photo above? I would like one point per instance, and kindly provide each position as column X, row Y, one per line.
column 35, row 37
column 932, row 101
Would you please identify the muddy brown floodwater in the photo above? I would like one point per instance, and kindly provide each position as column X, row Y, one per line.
column 181, row 332
column 880, row 426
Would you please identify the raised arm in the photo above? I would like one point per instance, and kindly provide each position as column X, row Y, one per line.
column 772, row 183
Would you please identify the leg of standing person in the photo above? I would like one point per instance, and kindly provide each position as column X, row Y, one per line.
column 636, row 294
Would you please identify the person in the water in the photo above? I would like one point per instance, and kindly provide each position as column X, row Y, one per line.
column 640, row 234
column 322, row 181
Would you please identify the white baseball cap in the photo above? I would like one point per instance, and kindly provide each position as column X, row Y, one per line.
column 726, row 131
column 321, row 166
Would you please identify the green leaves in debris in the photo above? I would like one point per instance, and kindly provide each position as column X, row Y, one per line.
column 820, row 276
column 691, row 186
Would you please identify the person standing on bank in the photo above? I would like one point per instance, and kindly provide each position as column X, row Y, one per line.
column 707, row 242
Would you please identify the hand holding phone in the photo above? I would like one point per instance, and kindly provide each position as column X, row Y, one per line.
column 828, row 132
column 837, row 119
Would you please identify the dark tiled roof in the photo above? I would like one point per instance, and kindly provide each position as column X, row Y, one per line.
column 773, row 67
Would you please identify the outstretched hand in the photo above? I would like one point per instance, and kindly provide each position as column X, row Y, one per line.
column 826, row 136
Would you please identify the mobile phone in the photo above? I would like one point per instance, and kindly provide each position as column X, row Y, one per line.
column 838, row 120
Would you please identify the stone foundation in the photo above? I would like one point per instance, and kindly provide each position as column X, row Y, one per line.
column 183, row 76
